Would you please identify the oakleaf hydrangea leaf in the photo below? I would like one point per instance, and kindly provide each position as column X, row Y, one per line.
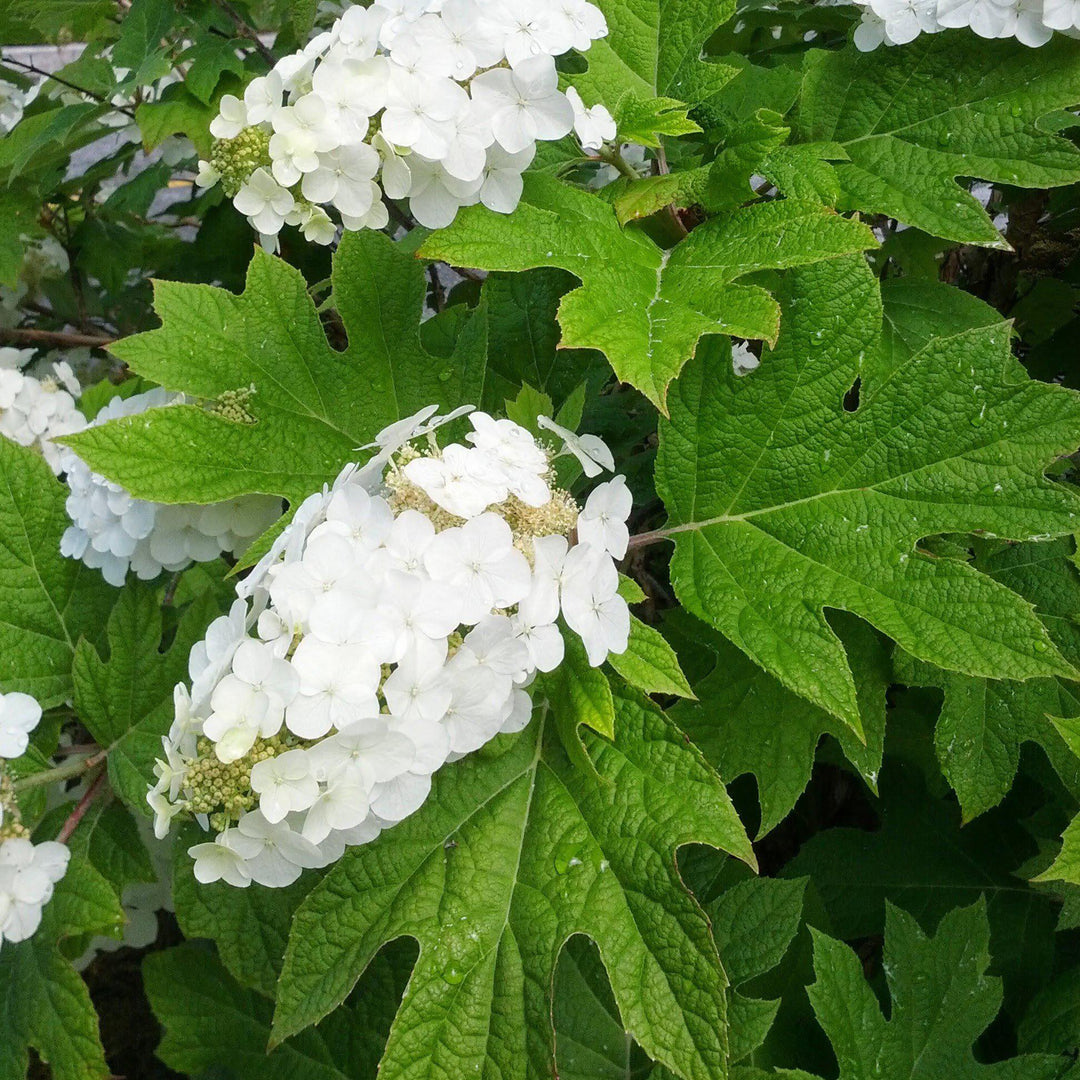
column 209, row 1019
column 44, row 1004
column 783, row 502
column 306, row 406
column 746, row 721
column 515, row 851
column 948, row 105
column 942, row 1000
column 642, row 306
column 653, row 49
column 46, row 601
column 983, row 722
column 126, row 700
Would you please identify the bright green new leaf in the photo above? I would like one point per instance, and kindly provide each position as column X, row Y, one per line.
column 650, row 663
column 515, row 851
column 642, row 306
column 209, row 1019
column 746, row 721
column 942, row 1001
column 947, row 105
column 643, row 120
column 310, row 406
column 723, row 184
column 783, row 502
column 46, row 601
column 983, row 722
column 126, row 701
column 44, row 1003
column 653, row 49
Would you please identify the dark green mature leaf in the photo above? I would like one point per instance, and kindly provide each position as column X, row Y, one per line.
column 646, row 308
column 126, row 701
column 649, row 662
column 44, row 1004
column 948, row 105
column 46, row 601
column 653, row 49
column 942, row 1001
column 19, row 210
column 782, row 502
column 923, row 861
column 1052, row 1023
column 746, row 721
column 211, row 1021
column 514, row 852
column 983, row 722
column 312, row 406
column 754, row 923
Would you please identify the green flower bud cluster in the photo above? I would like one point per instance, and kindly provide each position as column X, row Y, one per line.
column 223, row 791
column 233, row 405
column 11, row 825
column 236, row 159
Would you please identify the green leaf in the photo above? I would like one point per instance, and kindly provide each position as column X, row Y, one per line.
column 514, row 852
column 44, row 1004
column 211, row 57
column 650, row 663
column 126, row 701
column 922, row 860
column 746, row 721
column 782, row 502
column 721, row 185
column 579, row 695
column 109, row 838
column 19, row 210
column 1052, row 1022
column 312, row 406
column 250, row 927
column 942, row 1000
column 210, row 1021
column 177, row 112
column 644, row 307
column 948, row 105
column 983, row 722
column 29, row 22
column 754, row 923
column 643, row 120
column 653, row 49
column 46, row 601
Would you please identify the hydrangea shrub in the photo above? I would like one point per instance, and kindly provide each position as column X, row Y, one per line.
column 538, row 539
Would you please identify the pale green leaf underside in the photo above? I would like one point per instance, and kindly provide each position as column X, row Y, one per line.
column 514, row 852
column 312, row 405
column 783, row 503
column 646, row 308
column 947, row 105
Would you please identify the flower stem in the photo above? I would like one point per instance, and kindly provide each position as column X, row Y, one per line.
column 66, row 771
column 76, row 815
column 611, row 155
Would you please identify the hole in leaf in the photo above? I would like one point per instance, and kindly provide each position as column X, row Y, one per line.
column 851, row 398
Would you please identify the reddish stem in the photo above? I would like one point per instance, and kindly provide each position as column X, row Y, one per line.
column 79, row 812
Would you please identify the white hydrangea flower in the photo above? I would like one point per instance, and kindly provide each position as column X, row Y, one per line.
column 34, row 411
column 440, row 102
column 28, row 873
column 19, row 715
column 114, row 532
column 1031, row 22
column 394, row 626
column 594, row 126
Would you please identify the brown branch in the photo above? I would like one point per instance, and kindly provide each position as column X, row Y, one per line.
column 79, row 812
column 58, row 338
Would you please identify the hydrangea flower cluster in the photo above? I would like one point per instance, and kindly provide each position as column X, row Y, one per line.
column 394, row 625
column 438, row 101
column 1031, row 22
column 28, row 871
column 35, row 411
column 112, row 531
